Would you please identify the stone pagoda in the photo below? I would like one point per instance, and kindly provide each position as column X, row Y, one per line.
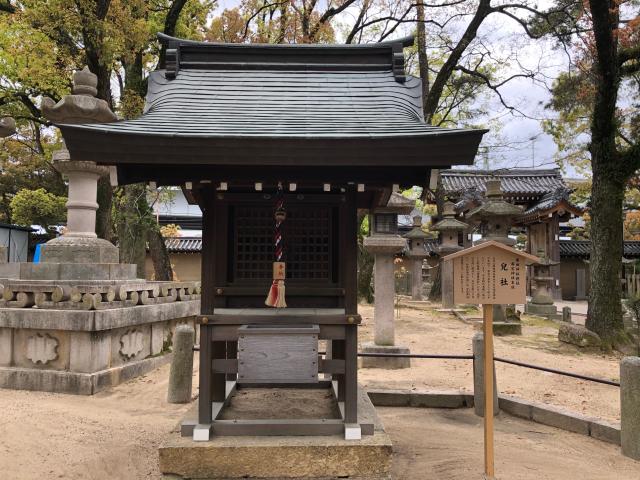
column 495, row 217
column 416, row 253
column 79, row 321
column 385, row 243
column 450, row 229
column 542, row 298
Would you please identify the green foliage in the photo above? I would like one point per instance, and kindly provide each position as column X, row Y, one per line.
column 38, row 207
column 572, row 99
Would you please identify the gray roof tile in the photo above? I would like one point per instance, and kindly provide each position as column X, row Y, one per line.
column 515, row 182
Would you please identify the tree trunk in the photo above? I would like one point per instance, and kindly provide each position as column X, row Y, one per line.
column 440, row 81
column 132, row 231
column 104, row 226
column 423, row 61
column 605, row 309
column 159, row 255
column 609, row 179
column 170, row 23
column 365, row 274
column 144, row 227
column 365, row 265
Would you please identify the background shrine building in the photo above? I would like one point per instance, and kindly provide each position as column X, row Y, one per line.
column 543, row 194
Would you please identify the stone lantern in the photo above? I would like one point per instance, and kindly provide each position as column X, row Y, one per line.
column 495, row 217
column 79, row 321
column 542, row 299
column 416, row 253
column 80, row 244
column 450, row 228
column 385, row 243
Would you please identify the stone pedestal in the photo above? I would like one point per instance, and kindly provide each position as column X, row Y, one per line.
column 388, row 363
column 416, row 278
column 542, row 300
column 446, row 278
column 384, row 248
column 85, row 351
column 630, row 407
column 80, row 244
column 549, row 311
column 478, row 378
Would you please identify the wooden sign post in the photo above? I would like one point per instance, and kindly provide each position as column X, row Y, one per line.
column 490, row 273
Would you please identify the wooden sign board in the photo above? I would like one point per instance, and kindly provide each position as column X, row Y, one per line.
column 489, row 273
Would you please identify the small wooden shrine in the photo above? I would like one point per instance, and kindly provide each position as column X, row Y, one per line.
column 280, row 145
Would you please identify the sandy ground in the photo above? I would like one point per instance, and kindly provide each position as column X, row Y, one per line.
column 448, row 445
column 112, row 435
column 424, row 330
column 115, row 435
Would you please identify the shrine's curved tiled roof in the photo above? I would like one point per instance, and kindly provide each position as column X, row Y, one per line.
column 279, row 104
column 234, row 104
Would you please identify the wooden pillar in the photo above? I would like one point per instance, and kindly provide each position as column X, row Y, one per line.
column 553, row 252
column 207, row 301
column 350, row 345
column 205, row 396
column 487, row 311
column 351, row 375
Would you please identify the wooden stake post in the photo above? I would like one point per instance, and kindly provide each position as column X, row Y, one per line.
column 490, row 273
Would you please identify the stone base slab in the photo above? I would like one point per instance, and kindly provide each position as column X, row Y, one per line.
column 79, row 250
column 68, row 271
column 507, row 328
column 76, row 383
column 83, row 352
column 382, row 362
column 277, row 457
column 549, row 311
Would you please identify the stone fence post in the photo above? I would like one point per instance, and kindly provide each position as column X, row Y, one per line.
column 630, row 407
column 478, row 378
column 180, row 376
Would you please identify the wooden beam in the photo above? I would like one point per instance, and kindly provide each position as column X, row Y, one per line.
column 285, row 427
column 232, row 319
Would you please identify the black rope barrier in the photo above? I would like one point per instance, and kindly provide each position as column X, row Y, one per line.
column 416, row 355
column 470, row 357
column 558, row 372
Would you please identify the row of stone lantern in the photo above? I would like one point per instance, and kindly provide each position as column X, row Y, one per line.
column 495, row 216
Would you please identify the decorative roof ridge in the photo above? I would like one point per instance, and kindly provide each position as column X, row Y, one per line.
column 406, row 41
column 503, row 172
column 193, row 54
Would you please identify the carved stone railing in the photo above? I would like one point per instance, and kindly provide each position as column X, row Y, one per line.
column 93, row 295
